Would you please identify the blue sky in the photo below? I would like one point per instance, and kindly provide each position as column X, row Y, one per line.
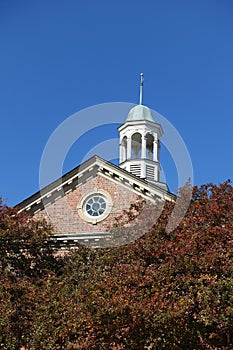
column 60, row 56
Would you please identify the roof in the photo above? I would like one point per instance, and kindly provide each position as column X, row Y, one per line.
column 80, row 174
column 140, row 112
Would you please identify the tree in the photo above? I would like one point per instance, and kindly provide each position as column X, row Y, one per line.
column 166, row 290
column 26, row 260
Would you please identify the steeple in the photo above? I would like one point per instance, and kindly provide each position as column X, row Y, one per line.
column 140, row 142
column 140, row 112
column 141, row 88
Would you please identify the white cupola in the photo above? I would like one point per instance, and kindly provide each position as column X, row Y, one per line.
column 140, row 143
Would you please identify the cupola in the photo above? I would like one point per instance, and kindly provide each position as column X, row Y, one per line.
column 140, row 142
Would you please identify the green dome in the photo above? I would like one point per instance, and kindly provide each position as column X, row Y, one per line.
column 139, row 112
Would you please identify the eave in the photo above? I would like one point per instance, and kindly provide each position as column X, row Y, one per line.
column 81, row 174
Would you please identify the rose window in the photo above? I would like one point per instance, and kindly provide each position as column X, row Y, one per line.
column 95, row 206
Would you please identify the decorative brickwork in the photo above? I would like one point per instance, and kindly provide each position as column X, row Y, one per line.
column 65, row 211
column 66, row 202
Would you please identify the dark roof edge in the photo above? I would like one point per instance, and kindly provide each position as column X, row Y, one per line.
column 56, row 182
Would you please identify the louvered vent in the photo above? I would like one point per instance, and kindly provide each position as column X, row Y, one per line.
column 135, row 169
column 150, row 172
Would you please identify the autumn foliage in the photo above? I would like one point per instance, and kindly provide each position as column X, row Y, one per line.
column 163, row 291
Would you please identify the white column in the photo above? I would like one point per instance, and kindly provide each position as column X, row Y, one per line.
column 121, row 151
column 143, row 152
column 158, row 150
column 128, row 155
column 155, row 150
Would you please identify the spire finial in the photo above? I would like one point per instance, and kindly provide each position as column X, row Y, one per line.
column 141, row 86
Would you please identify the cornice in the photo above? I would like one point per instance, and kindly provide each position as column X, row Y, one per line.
column 84, row 172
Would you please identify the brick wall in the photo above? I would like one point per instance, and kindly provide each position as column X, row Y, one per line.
column 65, row 214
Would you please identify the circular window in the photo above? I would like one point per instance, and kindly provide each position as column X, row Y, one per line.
column 95, row 206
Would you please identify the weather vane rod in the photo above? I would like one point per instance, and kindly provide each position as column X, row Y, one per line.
column 141, row 87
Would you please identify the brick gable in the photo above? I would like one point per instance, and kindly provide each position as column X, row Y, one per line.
column 63, row 201
column 65, row 213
